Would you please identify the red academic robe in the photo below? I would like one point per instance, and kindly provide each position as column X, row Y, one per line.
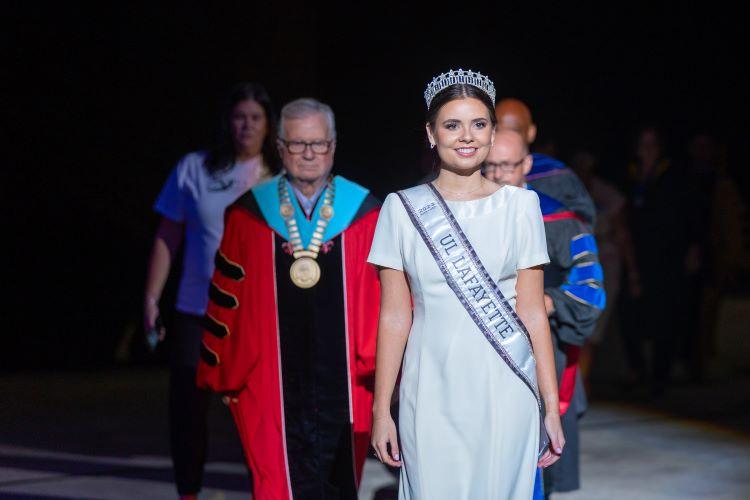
column 294, row 359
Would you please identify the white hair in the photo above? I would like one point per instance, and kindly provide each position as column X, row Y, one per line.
column 304, row 107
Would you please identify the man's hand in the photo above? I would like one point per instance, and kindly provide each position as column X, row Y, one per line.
column 549, row 304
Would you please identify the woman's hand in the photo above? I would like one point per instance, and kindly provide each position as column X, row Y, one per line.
column 556, row 440
column 393, row 330
column 532, row 311
column 166, row 242
column 383, row 434
column 150, row 314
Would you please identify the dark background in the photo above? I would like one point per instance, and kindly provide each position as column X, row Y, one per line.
column 100, row 102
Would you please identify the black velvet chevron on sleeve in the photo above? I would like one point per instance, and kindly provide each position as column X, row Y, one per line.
column 230, row 269
column 222, row 298
column 208, row 356
column 214, row 327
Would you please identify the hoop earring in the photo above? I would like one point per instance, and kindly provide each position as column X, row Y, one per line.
column 432, row 146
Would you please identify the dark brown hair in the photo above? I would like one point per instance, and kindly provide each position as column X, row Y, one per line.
column 222, row 156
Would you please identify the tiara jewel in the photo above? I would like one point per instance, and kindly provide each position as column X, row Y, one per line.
column 452, row 77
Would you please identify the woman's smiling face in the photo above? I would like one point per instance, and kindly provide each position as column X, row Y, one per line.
column 463, row 133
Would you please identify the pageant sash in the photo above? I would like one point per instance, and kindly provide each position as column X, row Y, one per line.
column 474, row 287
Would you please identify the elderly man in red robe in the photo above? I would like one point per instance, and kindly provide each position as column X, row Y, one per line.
column 292, row 322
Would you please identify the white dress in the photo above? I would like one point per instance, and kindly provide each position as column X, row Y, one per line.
column 469, row 427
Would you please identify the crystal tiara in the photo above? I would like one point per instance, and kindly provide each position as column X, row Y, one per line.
column 452, row 77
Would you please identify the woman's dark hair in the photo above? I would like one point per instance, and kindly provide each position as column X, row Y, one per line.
column 223, row 154
column 458, row 91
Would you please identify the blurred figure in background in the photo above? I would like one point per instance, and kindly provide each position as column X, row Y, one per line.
column 192, row 204
column 664, row 223
column 613, row 240
column 721, row 246
column 574, row 294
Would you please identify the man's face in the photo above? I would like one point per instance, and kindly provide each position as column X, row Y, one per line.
column 312, row 149
column 508, row 161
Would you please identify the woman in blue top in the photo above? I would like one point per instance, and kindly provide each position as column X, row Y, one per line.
column 192, row 204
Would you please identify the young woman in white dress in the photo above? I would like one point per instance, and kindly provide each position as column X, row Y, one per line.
column 469, row 426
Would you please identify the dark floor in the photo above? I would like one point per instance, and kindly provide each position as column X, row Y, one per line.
column 103, row 434
column 103, row 424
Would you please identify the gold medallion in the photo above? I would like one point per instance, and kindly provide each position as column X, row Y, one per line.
column 287, row 210
column 305, row 272
column 326, row 211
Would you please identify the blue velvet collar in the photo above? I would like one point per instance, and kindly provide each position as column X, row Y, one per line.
column 346, row 203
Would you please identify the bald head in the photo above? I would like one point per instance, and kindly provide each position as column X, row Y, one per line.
column 513, row 114
column 509, row 141
column 509, row 160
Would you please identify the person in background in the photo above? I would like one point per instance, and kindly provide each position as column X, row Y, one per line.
column 574, row 294
column 613, row 240
column 554, row 179
column 721, row 246
column 191, row 205
column 665, row 225
column 548, row 175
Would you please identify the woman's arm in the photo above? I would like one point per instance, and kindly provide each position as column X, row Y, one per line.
column 530, row 308
column 393, row 331
column 166, row 243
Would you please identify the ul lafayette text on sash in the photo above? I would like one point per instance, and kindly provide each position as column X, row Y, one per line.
column 483, row 301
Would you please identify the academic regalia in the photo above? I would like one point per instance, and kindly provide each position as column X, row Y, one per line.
column 574, row 281
column 553, row 178
column 298, row 363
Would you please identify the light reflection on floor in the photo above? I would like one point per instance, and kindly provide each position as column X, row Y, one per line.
column 627, row 453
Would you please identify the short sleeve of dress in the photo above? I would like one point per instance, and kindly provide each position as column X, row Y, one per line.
column 531, row 242
column 386, row 250
column 171, row 200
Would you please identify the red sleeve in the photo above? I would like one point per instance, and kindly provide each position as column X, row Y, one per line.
column 363, row 293
column 362, row 311
column 229, row 349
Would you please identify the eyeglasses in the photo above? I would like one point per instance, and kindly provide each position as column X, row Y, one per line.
column 299, row 147
column 503, row 165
